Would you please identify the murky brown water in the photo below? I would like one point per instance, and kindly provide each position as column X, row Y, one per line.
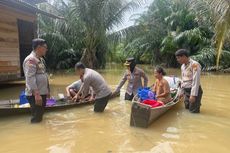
column 80, row 130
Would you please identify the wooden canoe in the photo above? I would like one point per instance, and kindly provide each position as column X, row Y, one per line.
column 9, row 108
column 143, row 115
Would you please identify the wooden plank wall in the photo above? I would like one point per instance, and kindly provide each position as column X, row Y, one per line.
column 9, row 41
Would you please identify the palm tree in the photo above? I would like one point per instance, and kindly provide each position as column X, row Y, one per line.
column 62, row 36
column 220, row 13
column 86, row 28
column 99, row 17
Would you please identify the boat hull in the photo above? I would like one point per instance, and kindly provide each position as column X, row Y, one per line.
column 10, row 109
column 143, row 115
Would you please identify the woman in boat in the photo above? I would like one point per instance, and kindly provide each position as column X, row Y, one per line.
column 161, row 86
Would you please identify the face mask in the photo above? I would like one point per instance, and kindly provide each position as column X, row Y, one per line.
column 132, row 66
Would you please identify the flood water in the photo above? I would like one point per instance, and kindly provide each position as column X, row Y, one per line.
column 80, row 130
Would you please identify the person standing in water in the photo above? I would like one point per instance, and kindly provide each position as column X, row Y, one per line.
column 91, row 78
column 37, row 84
column 161, row 86
column 191, row 71
column 134, row 76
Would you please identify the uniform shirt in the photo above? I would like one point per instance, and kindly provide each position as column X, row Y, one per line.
column 191, row 76
column 134, row 81
column 76, row 85
column 93, row 79
column 35, row 75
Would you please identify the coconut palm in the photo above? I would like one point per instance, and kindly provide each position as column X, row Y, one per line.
column 86, row 27
column 99, row 17
column 220, row 14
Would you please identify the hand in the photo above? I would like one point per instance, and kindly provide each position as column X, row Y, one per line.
column 158, row 96
column 192, row 99
column 115, row 93
column 181, row 95
column 76, row 97
column 38, row 100
column 91, row 99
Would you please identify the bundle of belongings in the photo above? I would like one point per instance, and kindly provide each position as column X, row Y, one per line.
column 148, row 97
column 23, row 102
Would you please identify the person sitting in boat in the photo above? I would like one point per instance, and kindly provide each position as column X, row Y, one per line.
column 74, row 88
column 133, row 74
column 161, row 86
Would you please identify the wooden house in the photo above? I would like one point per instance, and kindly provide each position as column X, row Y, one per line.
column 18, row 26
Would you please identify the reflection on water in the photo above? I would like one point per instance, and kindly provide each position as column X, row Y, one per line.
column 80, row 130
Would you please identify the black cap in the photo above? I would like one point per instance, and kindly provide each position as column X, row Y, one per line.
column 129, row 61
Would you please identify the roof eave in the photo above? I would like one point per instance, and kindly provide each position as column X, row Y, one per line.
column 16, row 3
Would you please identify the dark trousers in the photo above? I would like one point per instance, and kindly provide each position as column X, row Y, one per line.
column 36, row 110
column 101, row 103
column 195, row 106
column 129, row 97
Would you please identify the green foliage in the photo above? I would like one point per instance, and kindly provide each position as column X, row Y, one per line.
column 86, row 33
column 85, row 29
column 169, row 25
column 207, row 58
column 219, row 13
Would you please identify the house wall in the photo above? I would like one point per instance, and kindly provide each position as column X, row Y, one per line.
column 9, row 41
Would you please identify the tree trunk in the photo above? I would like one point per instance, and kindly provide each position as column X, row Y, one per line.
column 156, row 56
column 89, row 58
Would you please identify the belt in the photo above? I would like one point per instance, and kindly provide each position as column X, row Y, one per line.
column 187, row 80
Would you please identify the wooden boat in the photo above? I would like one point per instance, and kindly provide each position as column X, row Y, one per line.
column 11, row 107
column 143, row 115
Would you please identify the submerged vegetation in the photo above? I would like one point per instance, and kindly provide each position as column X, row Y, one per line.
column 86, row 33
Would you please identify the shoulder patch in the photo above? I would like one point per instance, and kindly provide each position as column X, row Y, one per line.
column 31, row 62
column 195, row 66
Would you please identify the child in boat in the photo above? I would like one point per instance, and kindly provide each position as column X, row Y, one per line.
column 161, row 86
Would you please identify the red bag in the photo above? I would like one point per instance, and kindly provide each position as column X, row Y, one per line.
column 153, row 103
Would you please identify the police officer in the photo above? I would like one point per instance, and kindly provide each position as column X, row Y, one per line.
column 37, row 85
column 91, row 78
column 134, row 76
column 191, row 71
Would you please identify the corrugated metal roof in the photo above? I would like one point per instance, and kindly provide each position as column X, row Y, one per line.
column 33, row 1
column 30, row 6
